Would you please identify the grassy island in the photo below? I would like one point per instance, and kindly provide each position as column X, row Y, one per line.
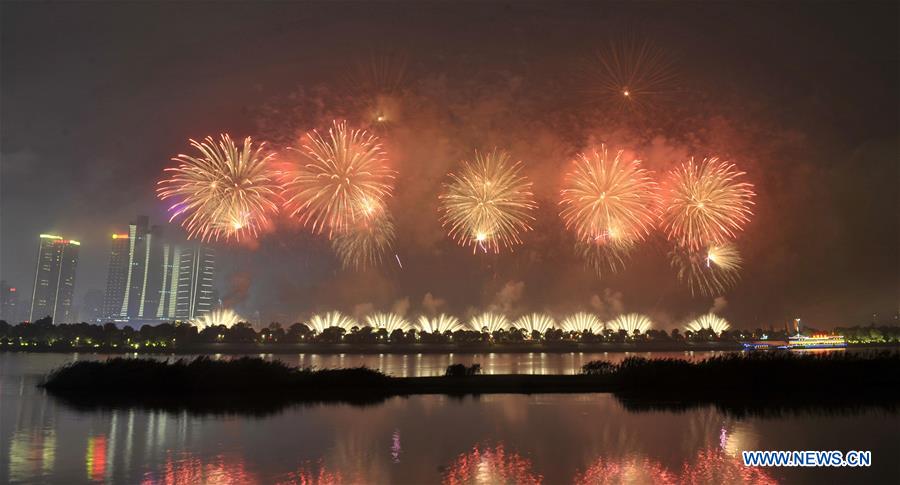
column 776, row 377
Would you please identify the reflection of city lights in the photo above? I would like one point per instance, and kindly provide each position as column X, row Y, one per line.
column 95, row 459
column 31, row 454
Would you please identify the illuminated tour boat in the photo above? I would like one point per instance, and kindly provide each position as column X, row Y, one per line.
column 798, row 341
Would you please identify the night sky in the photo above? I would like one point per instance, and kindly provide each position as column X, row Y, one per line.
column 97, row 97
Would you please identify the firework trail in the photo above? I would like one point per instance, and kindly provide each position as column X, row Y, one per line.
column 318, row 323
column 535, row 322
column 488, row 203
column 388, row 322
column 489, row 323
column 705, row 204
column 607, row 199
column 709, row 322
column 582, row 322
column 215, row 318
column 710, row 272
column 365, row 244
column 439, row 324
column 225, row 192
column 338, row 180
column 604, row 257
column 630, row 323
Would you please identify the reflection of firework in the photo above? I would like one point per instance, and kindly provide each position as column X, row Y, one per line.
column 708, row 273
column 439, row 324
column 607, row 199
column 491, row 465
column 227, row 191
column 388, row 321
column 631, row 322
column 709, row 466
column 582, row 322
column 215, row 318
column 708, row 322
column 365, row 243
column 626, row 470
column 535, row 322
column 705, row 204
column 488, row 203
column 339, row 179
column 318, row 323
column 489, row 322
column 632, row 75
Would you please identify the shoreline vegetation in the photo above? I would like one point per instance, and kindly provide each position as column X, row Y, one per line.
column 241, row 338
column 736, row 382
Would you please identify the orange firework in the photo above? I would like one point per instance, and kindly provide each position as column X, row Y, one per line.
column 705, row 203
column 338, row 180
column 225, row 192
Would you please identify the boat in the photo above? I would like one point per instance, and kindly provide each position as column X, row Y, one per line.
column 798, row 341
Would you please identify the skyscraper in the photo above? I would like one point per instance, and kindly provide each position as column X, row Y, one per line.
column 54, row 279
column 133, row 281
column 116, row 277
column 151, row 280
column 196, row 276
column 9, row 303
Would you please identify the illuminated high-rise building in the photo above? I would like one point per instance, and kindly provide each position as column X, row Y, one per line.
column 171, row 275
column 134, row 277
column 54, row 279
column 9, row 303
column 196, row 276
column 116, row 277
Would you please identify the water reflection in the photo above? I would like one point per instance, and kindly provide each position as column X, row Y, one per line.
column 578, row 438
column 491, row 465
column 708, row 466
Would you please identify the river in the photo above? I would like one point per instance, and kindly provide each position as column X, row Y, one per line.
column 559, row 438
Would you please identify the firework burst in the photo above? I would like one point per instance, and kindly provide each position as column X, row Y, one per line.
column 215, row 318
column 705, row 203
column 582, row 322
column 388, row 321
column 708, row 322
column 366, row 243
column 318, row 323
column 632, row 75
column 488, row 203
column 489, row 322
column 631, row 323
column 535, row 322
column 226, row 192
column 607, row 199
column 710, row 272
column 439, row 324
column 340, row 179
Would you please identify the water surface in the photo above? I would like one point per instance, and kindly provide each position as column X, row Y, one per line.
column 580, row 438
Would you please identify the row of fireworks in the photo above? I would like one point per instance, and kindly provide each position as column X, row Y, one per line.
column 338, row 185
column 489, row 322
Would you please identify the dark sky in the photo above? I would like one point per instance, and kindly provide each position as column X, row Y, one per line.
column 97, row 97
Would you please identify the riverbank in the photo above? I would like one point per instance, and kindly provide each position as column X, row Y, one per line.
column 777, row 378
column 388, row 348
